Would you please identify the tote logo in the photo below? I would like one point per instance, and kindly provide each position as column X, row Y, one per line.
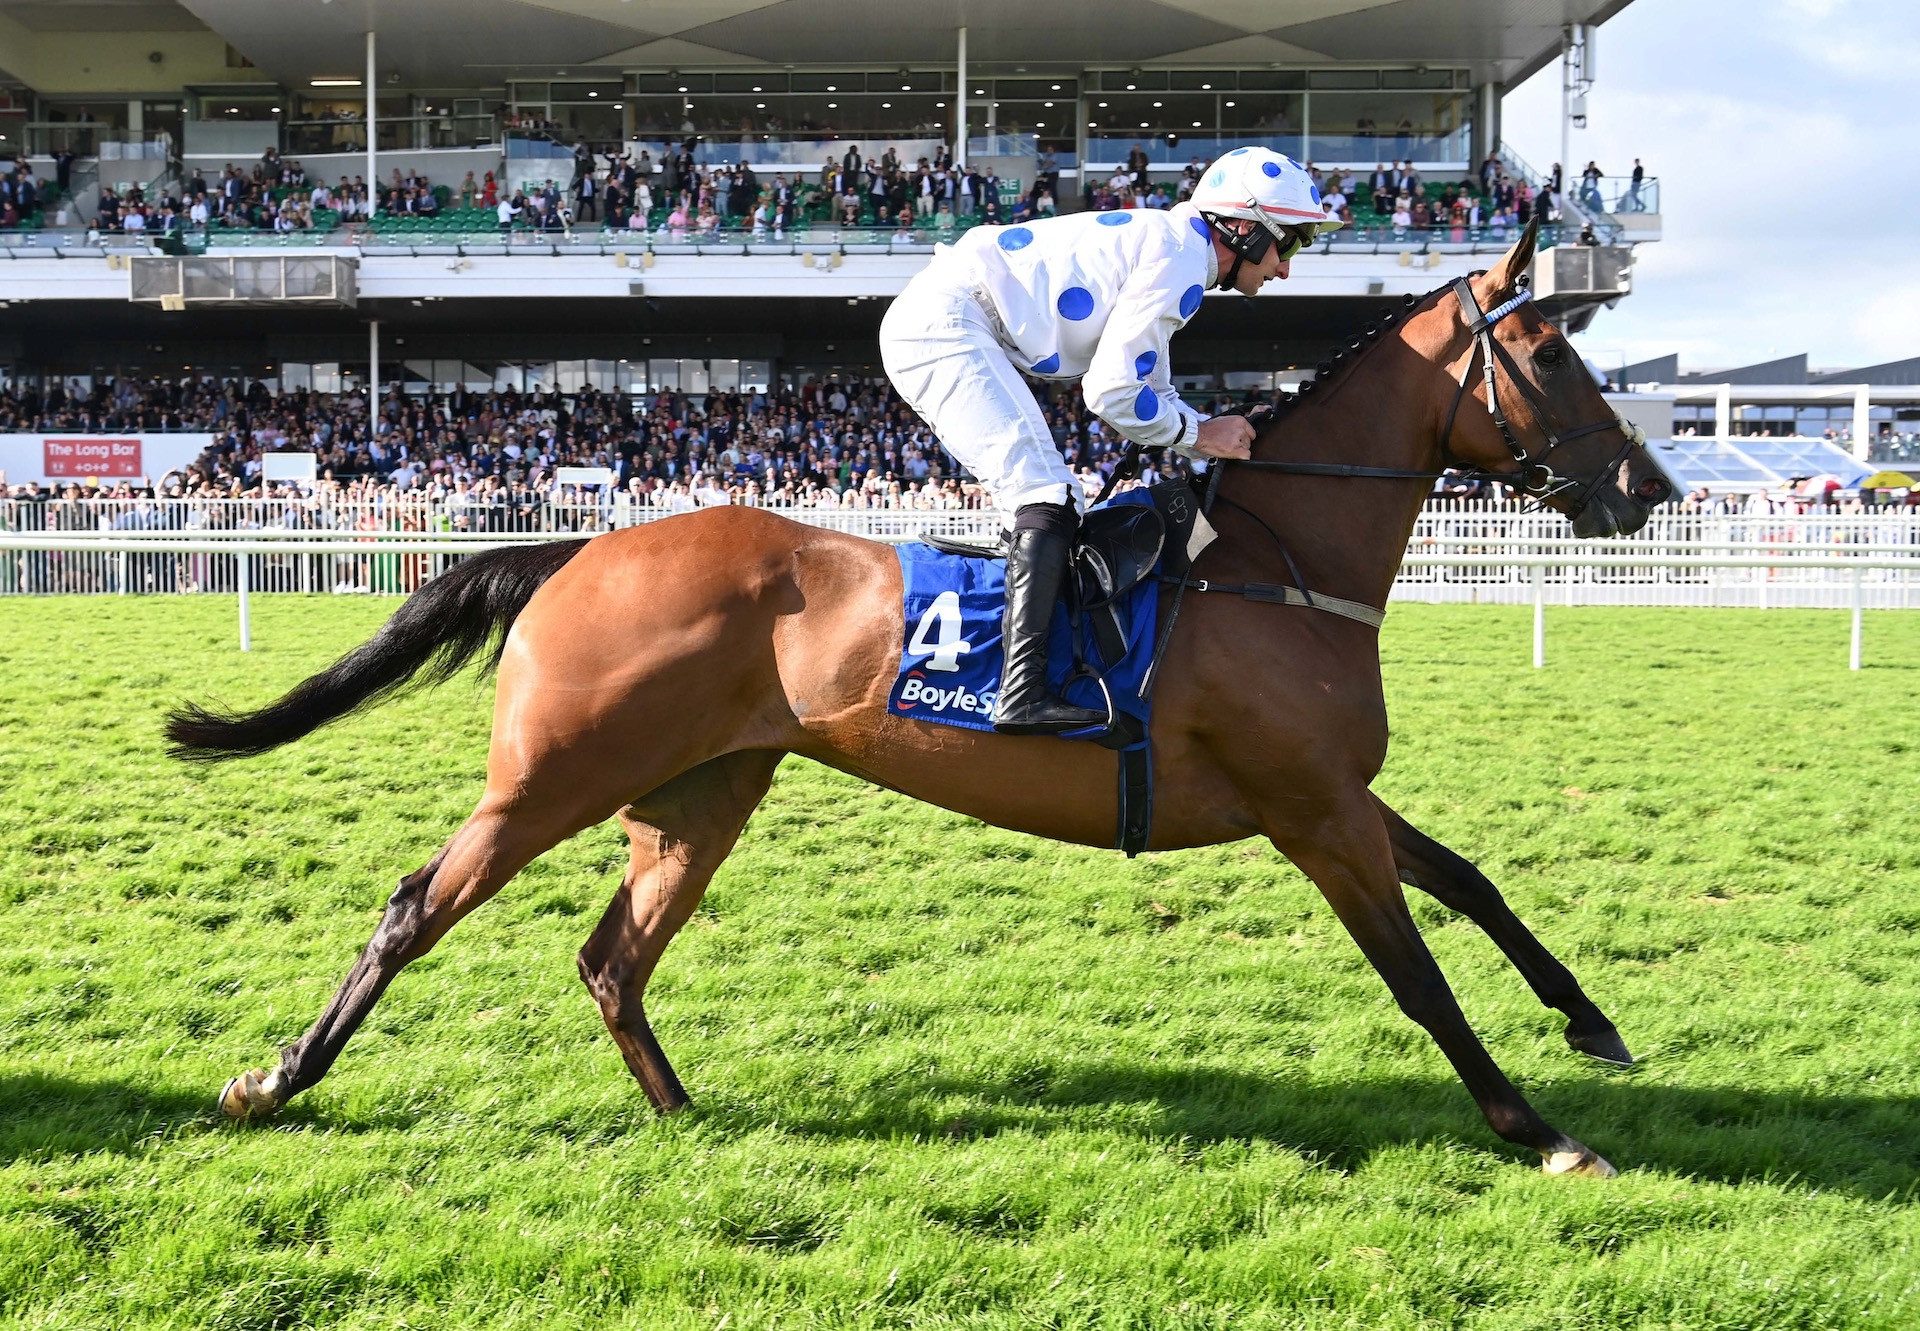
column 91, row 455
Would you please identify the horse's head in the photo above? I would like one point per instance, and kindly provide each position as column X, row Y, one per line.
column 1541, row 423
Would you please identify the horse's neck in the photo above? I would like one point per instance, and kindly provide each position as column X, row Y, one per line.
column 1347, row 535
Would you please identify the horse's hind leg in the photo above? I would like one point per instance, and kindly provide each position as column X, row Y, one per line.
column 498, row 841
column 680, row 834
column 1457, row 884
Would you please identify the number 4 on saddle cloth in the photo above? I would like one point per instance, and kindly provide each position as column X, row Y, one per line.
column 1102, row 641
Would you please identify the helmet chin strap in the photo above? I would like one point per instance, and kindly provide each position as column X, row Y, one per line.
column 1251, row 246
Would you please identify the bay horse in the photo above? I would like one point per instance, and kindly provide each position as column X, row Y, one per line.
column 660, row 673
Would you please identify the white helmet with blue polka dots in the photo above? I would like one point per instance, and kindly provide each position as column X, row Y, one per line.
column 1267, row 188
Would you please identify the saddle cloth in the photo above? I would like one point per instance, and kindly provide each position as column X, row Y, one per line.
column 951, row 660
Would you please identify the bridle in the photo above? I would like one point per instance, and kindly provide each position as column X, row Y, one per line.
column 1532, row 476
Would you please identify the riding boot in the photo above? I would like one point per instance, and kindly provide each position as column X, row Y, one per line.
column 1036, row 565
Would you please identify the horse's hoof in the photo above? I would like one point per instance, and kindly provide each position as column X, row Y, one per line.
column 1581, row 1161
column 1604, row 1044
column 250, row 1095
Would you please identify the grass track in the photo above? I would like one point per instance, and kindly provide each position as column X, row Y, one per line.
column 946, row 1076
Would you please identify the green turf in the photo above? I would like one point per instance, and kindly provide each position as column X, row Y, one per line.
column 949, row 1076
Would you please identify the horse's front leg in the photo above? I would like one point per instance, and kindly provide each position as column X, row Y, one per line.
column 1343, row 846
column 1457, row 884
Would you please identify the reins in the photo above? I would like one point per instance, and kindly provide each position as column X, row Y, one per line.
column 1532, row 476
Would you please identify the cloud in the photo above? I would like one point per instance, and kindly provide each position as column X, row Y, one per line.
column 1787, row 208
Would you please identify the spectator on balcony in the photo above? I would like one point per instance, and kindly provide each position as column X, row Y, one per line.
column 1590, row 178
column 1632, row 203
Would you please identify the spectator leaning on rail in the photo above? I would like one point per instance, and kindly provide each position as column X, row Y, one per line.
column 1092, row 296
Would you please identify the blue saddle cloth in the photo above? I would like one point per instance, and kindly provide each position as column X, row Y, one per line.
column 951, row 661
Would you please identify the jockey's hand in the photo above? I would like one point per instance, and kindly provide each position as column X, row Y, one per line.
column 1224, row 437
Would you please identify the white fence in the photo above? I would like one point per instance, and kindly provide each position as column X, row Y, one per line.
column 1485, row 555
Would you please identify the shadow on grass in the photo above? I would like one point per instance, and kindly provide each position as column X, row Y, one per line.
column 1864, row 1146
column 42, row 1116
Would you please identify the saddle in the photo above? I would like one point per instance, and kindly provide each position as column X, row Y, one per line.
column 1117, row 547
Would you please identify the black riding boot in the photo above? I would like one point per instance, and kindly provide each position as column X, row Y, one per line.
column 1036, row 565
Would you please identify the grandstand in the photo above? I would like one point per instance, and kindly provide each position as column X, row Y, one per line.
column 118, row 110
column 203, row 190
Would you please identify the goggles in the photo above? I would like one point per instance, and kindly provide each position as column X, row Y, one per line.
column 1290, row 240
column 1262, row 236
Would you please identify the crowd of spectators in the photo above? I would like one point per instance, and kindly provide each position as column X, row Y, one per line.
column 821, row 444
column 22, row 194
column 276, row 194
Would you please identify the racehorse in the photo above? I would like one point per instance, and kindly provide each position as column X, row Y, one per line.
column 660, row 673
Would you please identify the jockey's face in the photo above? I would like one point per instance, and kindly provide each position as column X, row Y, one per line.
column 1253, row 276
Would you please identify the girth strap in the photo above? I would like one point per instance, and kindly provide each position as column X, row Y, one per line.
column 1273, row 593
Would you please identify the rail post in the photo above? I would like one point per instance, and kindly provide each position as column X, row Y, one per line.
column 1539, row 617
column 241, row 579
column 1859, row 593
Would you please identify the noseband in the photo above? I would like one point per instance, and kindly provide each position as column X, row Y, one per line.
column 1532, row 476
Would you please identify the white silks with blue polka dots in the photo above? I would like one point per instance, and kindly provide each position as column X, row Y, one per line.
column 1089, row 296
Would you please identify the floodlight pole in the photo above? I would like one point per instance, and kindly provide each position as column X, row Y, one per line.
column 1565, row 108
column 960, row 134
column 373, row 94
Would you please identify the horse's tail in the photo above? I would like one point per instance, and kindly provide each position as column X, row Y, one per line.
column 436, row 631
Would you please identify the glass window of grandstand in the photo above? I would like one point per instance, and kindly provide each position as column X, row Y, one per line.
column 1027, row 118
column 1361, row 128
column 792, row 120
column 1338, row 117
column 218, row 105
column 79, row 127
column 422, row 377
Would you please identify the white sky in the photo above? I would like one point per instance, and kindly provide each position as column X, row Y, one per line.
column 1786, row 140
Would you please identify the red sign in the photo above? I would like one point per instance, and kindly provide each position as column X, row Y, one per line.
column 92, row 455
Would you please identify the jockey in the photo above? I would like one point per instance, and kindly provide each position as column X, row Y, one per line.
column 1093, row 297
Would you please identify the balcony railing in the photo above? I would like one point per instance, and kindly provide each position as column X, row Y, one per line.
column 391, row 134
column 1618, row 195
column 1174, row 147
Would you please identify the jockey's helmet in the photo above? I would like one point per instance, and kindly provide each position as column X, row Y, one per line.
column 1269, row 189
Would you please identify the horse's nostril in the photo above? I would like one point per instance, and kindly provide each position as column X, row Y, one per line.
column 1653, row 490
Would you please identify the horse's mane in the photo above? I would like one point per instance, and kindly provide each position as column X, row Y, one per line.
column 1353, row 348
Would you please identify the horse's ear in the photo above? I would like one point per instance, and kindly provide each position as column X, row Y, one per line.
column 1517, row 262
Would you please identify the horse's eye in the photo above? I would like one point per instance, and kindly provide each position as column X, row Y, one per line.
column 1550, row 356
